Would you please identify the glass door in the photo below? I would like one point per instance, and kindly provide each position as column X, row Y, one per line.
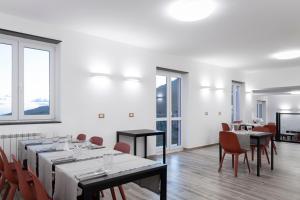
column 168, row 108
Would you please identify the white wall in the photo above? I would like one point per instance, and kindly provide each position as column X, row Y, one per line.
column 81, row 98
column 270, row 78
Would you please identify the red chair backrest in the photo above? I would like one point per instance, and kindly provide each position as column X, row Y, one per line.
column 8, row 172
column 261, row 129
column 272, row 128
column 96, row 140
column 229, row 142
column 123, row 147
column 81, row 137
column 25, row 187
column 40, row 191
column 225, row 127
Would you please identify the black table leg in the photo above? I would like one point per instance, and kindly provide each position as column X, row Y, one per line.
column 232, row 160
column 164, row 148
column 272, row 153
column 118, row 137
column 220, row 153
column 134, row 146
column 145, row 146
column 163, row 184
column 88, row 195
column 258, row 156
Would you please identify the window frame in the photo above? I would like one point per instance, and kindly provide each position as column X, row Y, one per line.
column 18, row 78
column 14, row 76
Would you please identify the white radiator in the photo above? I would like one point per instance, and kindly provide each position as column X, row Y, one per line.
column 9, row 142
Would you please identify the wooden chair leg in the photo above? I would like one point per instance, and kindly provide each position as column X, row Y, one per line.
column 266, row 151
column 4, row 197
column 246, row 157
column 2, row 182
column 113, row 194
column 236, row 164
column 12, row 192
column 122, row 192
column 222, row 161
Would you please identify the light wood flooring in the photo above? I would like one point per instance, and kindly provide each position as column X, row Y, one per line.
column 193, row 175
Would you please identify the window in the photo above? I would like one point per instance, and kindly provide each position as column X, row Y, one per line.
column 236, row 101
column 26, row 79
column 261, row 110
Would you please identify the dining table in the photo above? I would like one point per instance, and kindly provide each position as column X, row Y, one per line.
column 245, row 126
column 72, row 170
column 258, row 137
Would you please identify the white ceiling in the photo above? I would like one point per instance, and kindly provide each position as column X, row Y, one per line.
column 241, row 33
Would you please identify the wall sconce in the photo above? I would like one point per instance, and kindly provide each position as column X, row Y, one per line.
column 219, row 88
column 133, row 79
column 205, row 87
column 102, row 75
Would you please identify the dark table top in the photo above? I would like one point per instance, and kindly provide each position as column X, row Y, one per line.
column 260, row 134
column 122, row 177
column 140, row 132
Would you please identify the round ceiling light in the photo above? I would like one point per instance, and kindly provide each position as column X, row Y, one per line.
column 191, row 10
column 286, row 55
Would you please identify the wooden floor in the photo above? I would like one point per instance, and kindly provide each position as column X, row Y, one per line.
column 193, row 175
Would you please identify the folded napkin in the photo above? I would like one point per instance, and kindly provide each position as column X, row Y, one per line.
column 96, row 147
column 91, row 175
column 63, row 160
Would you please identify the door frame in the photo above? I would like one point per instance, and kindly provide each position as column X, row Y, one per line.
column 169, row 118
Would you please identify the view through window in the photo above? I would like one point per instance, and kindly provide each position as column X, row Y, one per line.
column 26, row 74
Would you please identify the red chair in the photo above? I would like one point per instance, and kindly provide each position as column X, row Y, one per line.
column 273, row 129
column 225, row 127
column 263, row 146
column 81, row 137
column 25, row 181
column 40, row 193
column 230, row 143
column 124, row 148
column 10, row 176
column 2, row 177
column 96, row 140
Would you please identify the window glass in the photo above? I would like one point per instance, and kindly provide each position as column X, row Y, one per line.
column 162, row 126
column 36, row 82
column 176, row 94
column 5, row 80
column 161, row 96
column 176, row 132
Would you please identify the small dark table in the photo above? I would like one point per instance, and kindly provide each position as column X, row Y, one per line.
column 92, row 187
column 143, row 133
column 258, row 137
